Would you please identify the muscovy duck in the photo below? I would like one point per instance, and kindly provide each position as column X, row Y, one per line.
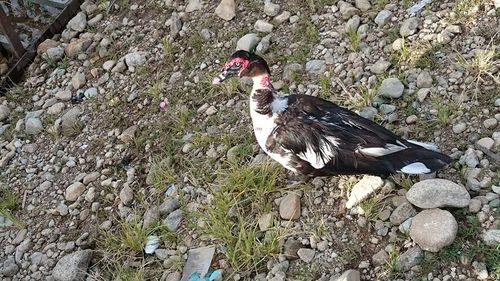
column 314, row 137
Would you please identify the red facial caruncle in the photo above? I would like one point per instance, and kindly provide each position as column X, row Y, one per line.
column 243, row 62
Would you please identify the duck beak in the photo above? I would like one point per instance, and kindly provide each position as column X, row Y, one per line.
column 220, row 78
column 226, row 73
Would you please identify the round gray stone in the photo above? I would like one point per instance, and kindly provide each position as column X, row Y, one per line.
column 433, row 229
column 248, row 42
column 391, row 88
column 409, row 27
column 135, row 59
column 383, row 17
column 290, row 70
column 271, row 9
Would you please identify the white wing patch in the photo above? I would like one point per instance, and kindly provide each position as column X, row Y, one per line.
column 326, row 153
column 415, row 168
column 279, row 104
column 381, row 151
column 429, row 146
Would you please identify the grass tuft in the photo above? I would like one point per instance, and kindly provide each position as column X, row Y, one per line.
column 483, row 64
column 129, row 237
column 168, row 49
column 354, row 39
column 161, row 173
column 357, row 100
column 9, row 202
column 445, row 111
column 392, row 270
column 465, row 11
column 154, row 92
column 372, row 207
column 239, row 197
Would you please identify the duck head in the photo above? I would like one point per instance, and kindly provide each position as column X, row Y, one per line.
column 242, row 64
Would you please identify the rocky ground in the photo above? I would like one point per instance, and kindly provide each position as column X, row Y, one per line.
column 120, row 161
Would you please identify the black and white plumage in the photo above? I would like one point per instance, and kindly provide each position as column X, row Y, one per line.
column 315, row 137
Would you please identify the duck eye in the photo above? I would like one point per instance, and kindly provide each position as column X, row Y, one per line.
column 238, row 64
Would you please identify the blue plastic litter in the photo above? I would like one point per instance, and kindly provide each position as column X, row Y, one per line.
column 211, row 276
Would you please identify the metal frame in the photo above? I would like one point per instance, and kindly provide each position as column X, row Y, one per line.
column 8, row 30
column 15, row 74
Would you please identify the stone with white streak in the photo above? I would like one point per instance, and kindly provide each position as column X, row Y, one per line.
column 492, row 237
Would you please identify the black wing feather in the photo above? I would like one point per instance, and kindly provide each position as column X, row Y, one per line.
column 310, row 121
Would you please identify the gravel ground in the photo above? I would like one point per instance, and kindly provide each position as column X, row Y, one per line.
column 120, row 161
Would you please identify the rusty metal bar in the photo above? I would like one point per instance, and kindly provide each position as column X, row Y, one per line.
column 10, row 32
column 16, row 72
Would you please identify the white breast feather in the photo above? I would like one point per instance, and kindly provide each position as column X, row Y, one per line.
column 264, row 125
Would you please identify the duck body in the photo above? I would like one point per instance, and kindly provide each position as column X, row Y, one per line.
column 314, row 137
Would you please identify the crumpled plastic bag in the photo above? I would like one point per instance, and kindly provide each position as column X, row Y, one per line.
column 211, row 276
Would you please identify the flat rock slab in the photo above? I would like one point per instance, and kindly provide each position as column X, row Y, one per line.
column 198, row 261
column 361, row 190
column 73, row 267
column 438, row 193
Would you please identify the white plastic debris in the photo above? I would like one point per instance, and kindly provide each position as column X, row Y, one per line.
column 152, row 243
column 171, row 191
column 198, row 261
column 417, row 7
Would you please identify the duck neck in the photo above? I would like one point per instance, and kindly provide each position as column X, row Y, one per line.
column 262, row 81
column 262, row 95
